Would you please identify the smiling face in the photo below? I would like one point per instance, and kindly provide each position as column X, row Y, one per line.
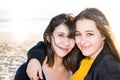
column 88, row 38
column 61, row 44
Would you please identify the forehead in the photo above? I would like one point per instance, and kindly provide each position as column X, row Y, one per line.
column 86, row 24
column 61, row 28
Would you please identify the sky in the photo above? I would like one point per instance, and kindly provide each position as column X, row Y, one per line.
column 33, row 16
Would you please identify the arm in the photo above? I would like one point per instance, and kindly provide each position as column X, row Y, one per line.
column 38, row 51
column 36, row 56
column 21, row 73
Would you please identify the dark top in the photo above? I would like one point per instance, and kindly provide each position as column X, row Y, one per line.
column 105, row 67
column 21, row 73
column 38, row 51
column 34, row 52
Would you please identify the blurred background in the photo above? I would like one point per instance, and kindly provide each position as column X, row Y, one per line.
column 22, row 23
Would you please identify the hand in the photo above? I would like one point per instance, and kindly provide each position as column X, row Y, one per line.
column 34, row 70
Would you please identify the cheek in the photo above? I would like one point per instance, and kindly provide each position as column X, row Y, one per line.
column 77, row 40
column 57, row 41
column 96, row 41
column 72, row 43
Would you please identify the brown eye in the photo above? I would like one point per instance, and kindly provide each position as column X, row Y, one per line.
column 77, row 34
column 60, row 35
column 90, row 34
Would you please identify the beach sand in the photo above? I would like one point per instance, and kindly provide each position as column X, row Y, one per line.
column 13, row 53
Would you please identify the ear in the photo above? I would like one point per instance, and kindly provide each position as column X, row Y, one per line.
column 48, row 38
column 103, row 37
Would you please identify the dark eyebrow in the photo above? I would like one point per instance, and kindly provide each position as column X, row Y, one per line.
column 77, row 31
column 60, row 33
column 89, row 31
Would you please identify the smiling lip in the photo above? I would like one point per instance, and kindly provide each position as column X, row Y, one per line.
column 85, row 47
column 64, row 49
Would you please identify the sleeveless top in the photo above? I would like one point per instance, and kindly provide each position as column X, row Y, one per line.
column 46, row 76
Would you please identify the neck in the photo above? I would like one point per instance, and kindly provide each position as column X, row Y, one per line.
column 97, row 53
column 58, row 62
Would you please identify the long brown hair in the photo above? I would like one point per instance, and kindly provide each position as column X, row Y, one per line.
column 69, row 61
column 102, row 25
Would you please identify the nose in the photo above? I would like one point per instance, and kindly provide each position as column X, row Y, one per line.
column 83, row 40
column 66, row 41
